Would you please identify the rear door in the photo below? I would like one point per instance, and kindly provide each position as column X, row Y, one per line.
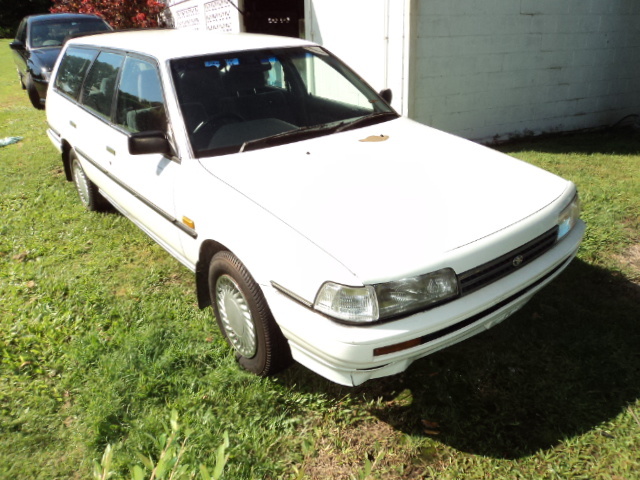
column 91, row 123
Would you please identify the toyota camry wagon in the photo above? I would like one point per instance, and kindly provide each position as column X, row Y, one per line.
column 321, row 226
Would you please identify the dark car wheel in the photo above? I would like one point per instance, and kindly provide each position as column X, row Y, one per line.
column 34, row 96
column 87, row 190
column 244, row 317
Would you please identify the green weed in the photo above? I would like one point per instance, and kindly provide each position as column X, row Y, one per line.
column 169, row 464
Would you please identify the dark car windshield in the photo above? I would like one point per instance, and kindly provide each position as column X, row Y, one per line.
column 52, row 33
column 239, row 101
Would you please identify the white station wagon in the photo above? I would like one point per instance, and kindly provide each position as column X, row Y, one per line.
column 321, row 225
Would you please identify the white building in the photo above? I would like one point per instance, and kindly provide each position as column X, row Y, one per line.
column 483, row 69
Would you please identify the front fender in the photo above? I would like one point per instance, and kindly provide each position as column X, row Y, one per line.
column 270, row 249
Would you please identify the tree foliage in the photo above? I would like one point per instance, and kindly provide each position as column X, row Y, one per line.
column 119, row 13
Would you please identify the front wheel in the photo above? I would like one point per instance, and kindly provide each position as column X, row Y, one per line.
column 34, row 96
column 244, row 317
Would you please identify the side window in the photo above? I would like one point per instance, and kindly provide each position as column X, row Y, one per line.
column 98, row 89
column 73, row 66
column 21, row 35
column 140, row 104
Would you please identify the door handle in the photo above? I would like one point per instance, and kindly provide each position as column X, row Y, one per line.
column 111, row 150
column 72, row 123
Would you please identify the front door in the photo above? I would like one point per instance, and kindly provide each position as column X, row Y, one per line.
column 147, row 181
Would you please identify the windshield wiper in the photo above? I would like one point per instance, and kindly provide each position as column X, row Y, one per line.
column 289, row 136
column 305, row 133
column 371, row 119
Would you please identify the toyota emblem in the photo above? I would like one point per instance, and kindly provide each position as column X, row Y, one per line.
column 517, row 261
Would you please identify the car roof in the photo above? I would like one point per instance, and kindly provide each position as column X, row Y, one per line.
column 45, row 17
column 165, row 44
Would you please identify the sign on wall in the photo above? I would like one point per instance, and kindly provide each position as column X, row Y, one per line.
column 218, row 15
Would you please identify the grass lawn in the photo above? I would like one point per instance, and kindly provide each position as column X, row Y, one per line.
column 101, row 340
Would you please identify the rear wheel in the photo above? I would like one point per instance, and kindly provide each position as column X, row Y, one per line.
column 87, row 190
column 244, row 317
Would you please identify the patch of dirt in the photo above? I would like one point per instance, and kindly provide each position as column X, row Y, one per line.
column 630, row 260
column 342, row 454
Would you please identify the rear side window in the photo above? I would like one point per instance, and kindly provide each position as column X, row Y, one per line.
column 73, row 66
column 98, row 89
column 140, row 104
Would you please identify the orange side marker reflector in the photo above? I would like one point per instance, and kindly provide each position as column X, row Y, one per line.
column 188, row 222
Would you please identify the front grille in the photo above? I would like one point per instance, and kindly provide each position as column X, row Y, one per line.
column 478, row 277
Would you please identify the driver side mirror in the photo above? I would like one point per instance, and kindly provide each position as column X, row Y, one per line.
column 16, row 45
column 143, row 143
column 387, row 95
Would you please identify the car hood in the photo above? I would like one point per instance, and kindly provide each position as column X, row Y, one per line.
column 389, row 199
column 45, row 57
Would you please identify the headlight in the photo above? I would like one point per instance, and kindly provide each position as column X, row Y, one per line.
column 385, row 300
column 46, row 74
column 417, row 293
column 352, row 304
column 569, row 217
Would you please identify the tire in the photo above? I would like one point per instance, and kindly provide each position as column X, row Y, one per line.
column 87, row 190
column 244, row 317
column 34, row 96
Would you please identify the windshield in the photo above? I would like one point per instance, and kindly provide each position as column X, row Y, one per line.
column 54, row 33
column 230, row 101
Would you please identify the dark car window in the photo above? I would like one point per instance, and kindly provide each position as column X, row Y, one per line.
column 73, row 66
column 21, row 35
column 140, row 104
column 53, row 33
column 97, row 92
column 230, row 101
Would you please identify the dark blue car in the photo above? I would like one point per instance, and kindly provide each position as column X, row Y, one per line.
column 38, row 42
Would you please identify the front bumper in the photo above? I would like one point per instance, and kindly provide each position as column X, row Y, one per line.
column 345, row 354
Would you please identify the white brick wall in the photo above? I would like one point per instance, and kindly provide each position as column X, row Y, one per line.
column 496, row 69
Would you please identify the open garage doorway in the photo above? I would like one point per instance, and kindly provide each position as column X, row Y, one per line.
column 275, row 17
